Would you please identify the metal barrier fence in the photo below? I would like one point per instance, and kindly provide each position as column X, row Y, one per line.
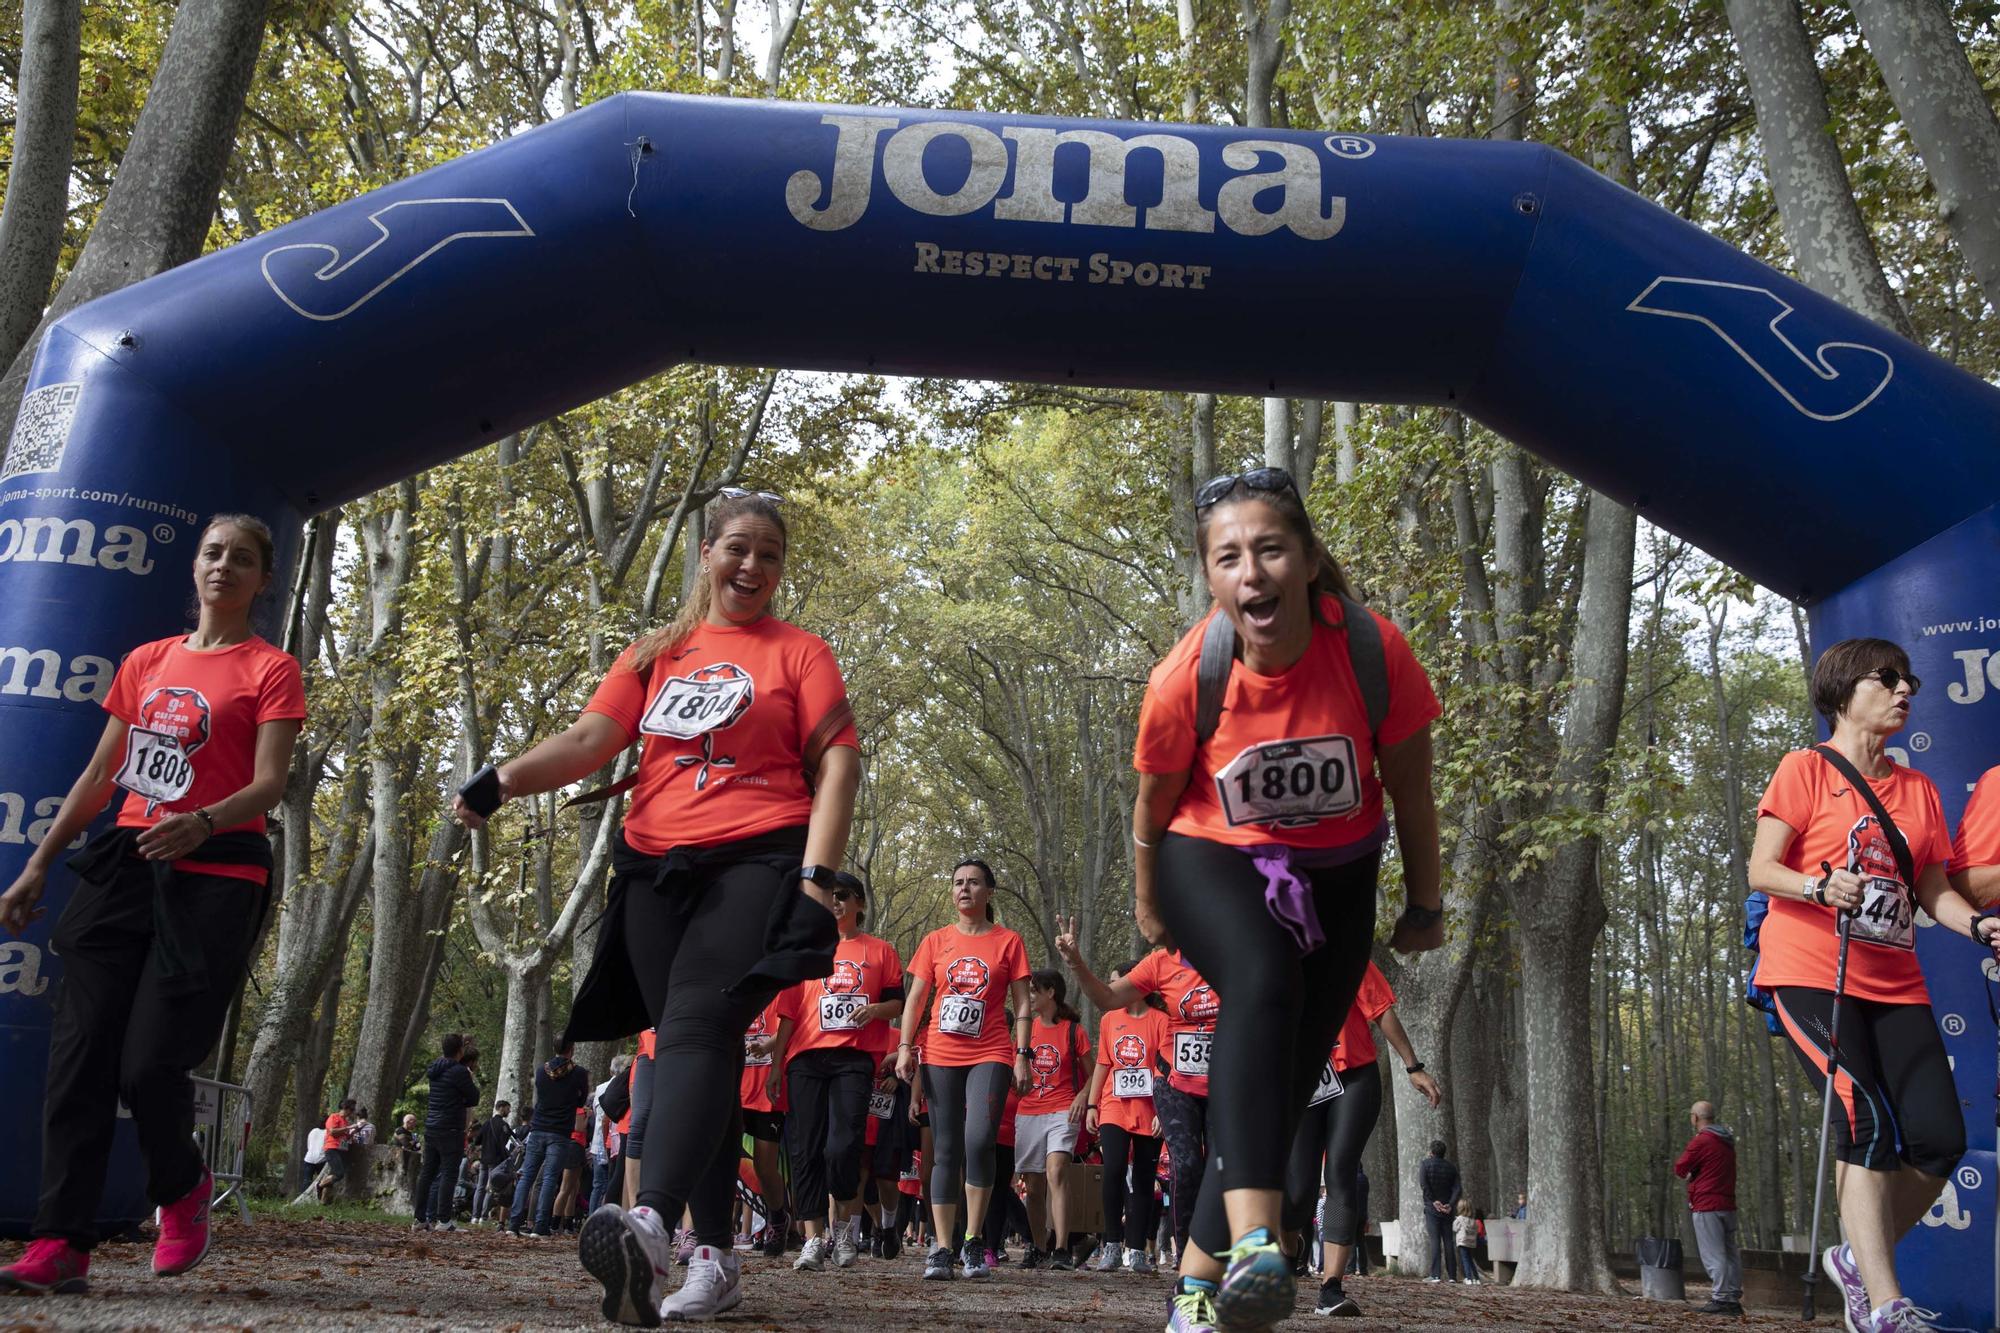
column 222, row 1129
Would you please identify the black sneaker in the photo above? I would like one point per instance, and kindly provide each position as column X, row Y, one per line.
column 1721, row 1307
column 972, row 1259
column 776, row 1233
column 889, row 1245
column 1061, row 1260
column 940, row 1266
column 1334, row 1301
column 1033, row 1257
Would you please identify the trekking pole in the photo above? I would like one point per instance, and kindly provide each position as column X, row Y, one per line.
column 1993, row 1324
column 1846, row 916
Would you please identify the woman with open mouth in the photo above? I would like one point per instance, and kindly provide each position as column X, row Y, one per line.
column 1268, row 739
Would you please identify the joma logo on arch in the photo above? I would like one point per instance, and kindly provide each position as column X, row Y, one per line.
column 1294, row 178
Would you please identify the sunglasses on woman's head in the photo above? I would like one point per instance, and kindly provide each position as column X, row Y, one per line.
column 738, row 493
column 1257, row 479
column 1891, row 678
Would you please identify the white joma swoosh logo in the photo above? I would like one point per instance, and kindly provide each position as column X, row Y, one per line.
column 317, row 281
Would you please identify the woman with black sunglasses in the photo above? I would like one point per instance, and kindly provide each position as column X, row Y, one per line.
column 1258, row 833
column 1822, row 850
column 721, row 892
column 846, row 1026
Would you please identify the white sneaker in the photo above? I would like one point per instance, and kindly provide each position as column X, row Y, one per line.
column 630, row 1253
column 845, row 1251
column 812, row 1255
column 1433, row 1279
column 1137, row 1261
column 711, row 1288
column 1109, row 1259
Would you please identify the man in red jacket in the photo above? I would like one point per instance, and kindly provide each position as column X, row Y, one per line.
column 1708, row 1164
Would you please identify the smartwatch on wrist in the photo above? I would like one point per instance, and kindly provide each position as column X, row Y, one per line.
column 1423, row 917
column 1024, row 1053
column 820, row 877
column 1416, row 1068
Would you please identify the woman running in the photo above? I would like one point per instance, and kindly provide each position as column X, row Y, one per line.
column 1822, row 850
column 976, row 1049
column 843, row 1031
column 1052, row 1110
column 721, row 893
column 1180, row 1085
column 1258, row 833
column 1339, row 1120
column 158, row 935
column 1120, row 1099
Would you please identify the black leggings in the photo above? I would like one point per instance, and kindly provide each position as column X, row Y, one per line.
column 1335, row 1132
column 1892, row 1080
column 966, row 1104
column 826, row 1128
column 684, row 962
column 1135, row 1206
column 1280, row 1011
column 1184, row 1125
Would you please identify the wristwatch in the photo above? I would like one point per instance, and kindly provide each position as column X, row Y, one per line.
column 820, row 877
column 1025, row 1052
column 1416, row 1068
column 1423, row 917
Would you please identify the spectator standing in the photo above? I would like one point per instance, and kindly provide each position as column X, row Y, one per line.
column 338, row 1126
column 1465, row 1233
column 491, row 1142
column 1438, row 1179
column 1521, row 1206
column 446, row 1116
column 1708, row 1165
column 561, row 1085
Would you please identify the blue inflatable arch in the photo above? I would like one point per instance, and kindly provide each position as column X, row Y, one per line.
column 1824, row 456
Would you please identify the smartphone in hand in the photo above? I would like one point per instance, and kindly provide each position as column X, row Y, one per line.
column 482, row 793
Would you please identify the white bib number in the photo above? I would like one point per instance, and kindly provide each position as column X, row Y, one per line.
column 1292, row 781
column 961, row 1016
column 1191, row 1053
column 840, row 1013
column 1132, row 1082
column 751, row 1057
column 684, row 709
column 155, row 767
column 1329, row 1085
column 1888, row 917
column 882, row 1105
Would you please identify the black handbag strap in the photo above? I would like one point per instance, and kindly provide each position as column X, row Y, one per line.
column 1904, row 861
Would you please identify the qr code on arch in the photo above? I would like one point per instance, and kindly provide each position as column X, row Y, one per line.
column 41, row 431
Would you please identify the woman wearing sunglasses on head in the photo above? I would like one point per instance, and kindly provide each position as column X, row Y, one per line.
column 1259, row 829
column 721, row 893
column 846, row 1024
column 1824, row 849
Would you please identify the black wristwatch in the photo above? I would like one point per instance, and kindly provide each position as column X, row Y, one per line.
column 820, row 877
column 1024, row 1051
column 1416, row 1068
column 1423, row 917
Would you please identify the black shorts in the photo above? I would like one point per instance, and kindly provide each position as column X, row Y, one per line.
column 573, row 1155
column 764, row 1126
column 336, row 1164
column 894, row 1139
column 1895, row 1101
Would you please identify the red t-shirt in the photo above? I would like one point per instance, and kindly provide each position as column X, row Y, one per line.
column 911, row 1182
column 863, row 968
column 646, row 1040
column 1798, row 945
column 193, row 720
column 1003, row 1133
column 969, row 976
column 783, row 1005
column 725, row 725
column 1128, row 1048
column 1978, row 840
column 1192, row 1006
column 1290, row 761
column 1355, row 1046
column 1059, row 1067
column 336, row 1132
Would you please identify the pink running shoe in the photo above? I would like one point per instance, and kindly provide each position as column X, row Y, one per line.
column 49, row 1265
column 184, row 1230
column 684, row 1247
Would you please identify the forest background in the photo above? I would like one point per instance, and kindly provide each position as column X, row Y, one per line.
column 998, row 566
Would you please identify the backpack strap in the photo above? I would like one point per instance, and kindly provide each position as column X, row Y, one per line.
column 1900, row 848
column 1211, row 677
column 1364, row 654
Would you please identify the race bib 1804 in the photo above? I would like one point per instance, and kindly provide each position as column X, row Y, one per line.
column 1191, row 1053
column 1132, row 1082
column 1329, row 1085
column 961, row 1016
column 155, row 767
column 1290, row 782
column 708, row 700
column 841, row 1013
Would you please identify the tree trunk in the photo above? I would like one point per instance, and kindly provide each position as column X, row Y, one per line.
column 1828, row 237
column 313, row 1056
column 157, row 213
column 31, row 224
column 1949, row 119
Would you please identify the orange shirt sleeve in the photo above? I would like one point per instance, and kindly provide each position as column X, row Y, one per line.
column 123, row 700
column 1413, row 704
column 1146, row 976
column 281, row 694
column 620, row 696
column 1375, row 997
column 892, row 967
column 1978, row 840
column 1014, row 963
column 1166, row 740
column 923, row 967
column 821, row 690
column 1789, row 797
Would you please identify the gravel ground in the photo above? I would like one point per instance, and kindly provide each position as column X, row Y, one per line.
column 323, row 1274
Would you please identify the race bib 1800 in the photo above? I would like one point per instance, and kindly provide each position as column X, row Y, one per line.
column 155, row 767
column 1191, row 1053
column 961, row 1016
column 1329, row 1085
column 1290, row 782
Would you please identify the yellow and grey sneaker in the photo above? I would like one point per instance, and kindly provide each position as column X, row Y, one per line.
column 1258, row 1288
column 1192, row 1309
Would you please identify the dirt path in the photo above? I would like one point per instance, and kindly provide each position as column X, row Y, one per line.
column 326, row 1274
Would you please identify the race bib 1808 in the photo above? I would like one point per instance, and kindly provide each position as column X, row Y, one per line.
column 961, row 1016
column 1191, row 1053
column 1290, row 782
column 155, row 766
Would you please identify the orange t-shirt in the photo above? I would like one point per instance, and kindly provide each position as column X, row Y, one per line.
column 1059, row 1067
column 783, row 1005
column 337, row 1130
column 969, row 976
column 646, row 1041
column 863, row 968
column 193, row 720
column 1127, row 1048
column 1355, row 1046
column 1192, row 1006
column 725, row 725
column 1290, row 761
column 1978, row 840
column 1798, row 945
